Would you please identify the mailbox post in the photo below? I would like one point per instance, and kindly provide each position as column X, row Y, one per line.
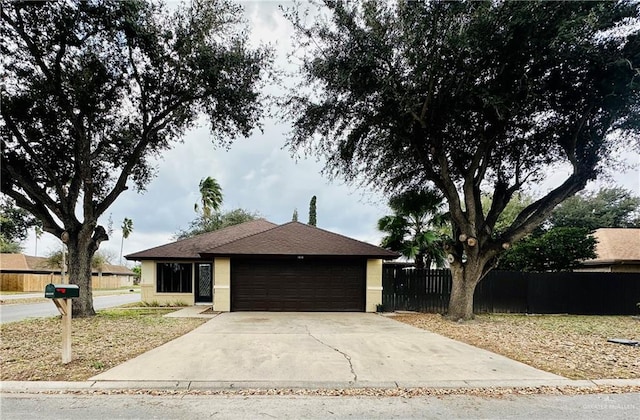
column 61, row 294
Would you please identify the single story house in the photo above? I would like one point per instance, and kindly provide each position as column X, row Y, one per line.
column 26, row 273
column 617, row 250
column 262, row 266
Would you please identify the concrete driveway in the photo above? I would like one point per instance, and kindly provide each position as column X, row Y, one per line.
column 321, row 349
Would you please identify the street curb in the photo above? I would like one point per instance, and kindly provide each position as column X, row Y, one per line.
column 37, row 386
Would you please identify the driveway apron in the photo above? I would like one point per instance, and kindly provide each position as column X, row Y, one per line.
column 315, row 348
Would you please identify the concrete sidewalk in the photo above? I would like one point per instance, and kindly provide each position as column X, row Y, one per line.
column 88, row 386
column 320, row 349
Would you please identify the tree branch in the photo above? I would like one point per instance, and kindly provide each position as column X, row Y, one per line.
column 36, row 209
column 19, row 28
column 139, row 149
column 143, row 92
column 534, row 214
column 450, row 190
column 471, row 190
column 27, row 181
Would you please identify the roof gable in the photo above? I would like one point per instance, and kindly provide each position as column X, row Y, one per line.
column 16, row 262
column 38, row 263
column 190, row 248
column 296, row 238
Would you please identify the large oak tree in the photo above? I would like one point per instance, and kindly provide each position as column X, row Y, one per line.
column 472, row 98
column 92, row 90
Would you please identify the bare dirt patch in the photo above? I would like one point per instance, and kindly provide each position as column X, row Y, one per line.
column 30, row 350
column 572, row 346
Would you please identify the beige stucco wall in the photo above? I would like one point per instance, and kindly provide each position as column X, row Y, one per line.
column 147, row 280
column 148, row 288
column 374, row 285
column 222, row 285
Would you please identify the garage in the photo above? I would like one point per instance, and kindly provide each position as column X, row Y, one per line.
column 301, row 284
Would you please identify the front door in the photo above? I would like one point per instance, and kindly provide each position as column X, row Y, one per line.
column 204, row 283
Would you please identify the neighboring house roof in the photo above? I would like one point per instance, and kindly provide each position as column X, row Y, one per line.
column 37, row 263
column 16, row 262
column 20, row 263
column 616, row 246
column 292, row 238
column 116, row 270
column 190, row 248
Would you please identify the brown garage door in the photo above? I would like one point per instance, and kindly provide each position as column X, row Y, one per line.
column 298, row 285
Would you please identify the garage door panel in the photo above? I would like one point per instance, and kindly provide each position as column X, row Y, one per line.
column 261, row 285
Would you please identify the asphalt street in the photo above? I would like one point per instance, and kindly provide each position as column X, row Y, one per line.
column 18, row 312
column 38, row 406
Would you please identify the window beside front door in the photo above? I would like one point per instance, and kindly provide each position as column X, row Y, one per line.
column 174, row 278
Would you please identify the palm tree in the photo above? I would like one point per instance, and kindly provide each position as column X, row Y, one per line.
column 210, row 196
column 410, row 230
column 39, row 233
column 127, row 228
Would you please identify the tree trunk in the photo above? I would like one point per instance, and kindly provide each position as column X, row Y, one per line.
column 465, row 277
column 419, row 260
column 80, row 255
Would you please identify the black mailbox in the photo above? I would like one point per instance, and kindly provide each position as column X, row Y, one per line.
column 61, row 291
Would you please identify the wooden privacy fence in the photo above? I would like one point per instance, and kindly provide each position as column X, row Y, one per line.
column 587, row 293
column 34, row 282
column 415, row 289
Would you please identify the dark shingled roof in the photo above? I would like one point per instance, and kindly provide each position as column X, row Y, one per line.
column 292, row 238
column 190, row 248
column 296, row 238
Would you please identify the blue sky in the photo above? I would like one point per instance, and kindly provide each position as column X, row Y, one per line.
column 258, row 174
